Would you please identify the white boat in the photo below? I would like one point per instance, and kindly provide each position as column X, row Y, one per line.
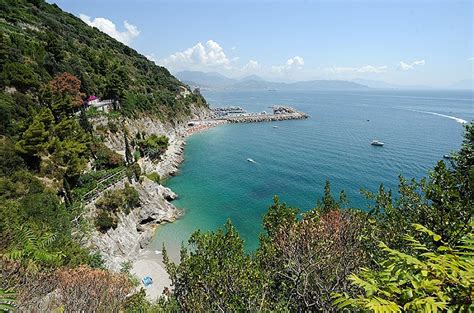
column 251, row 160
column 377, row 143
column 275, row 126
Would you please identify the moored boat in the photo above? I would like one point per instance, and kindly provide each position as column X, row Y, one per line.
column 377, row 143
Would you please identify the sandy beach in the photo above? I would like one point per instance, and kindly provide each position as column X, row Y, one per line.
column 149, row 263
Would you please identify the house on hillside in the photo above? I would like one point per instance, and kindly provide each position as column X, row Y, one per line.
column 105, row 105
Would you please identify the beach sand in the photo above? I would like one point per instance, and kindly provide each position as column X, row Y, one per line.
column 149, row 264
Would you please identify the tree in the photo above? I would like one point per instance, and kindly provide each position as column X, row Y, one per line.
column 440, row 279
column 308, row 259
column 84, row 121
column 35, row 138
column 216, row 274
column 128, row 152
column 20, row 76
column 66, row 84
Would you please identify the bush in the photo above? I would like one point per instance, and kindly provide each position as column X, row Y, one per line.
column 438, row 279
column 154, row 176
column 134, row 171
column 153, row 146
column 112, row 126
column 105, row 158
column 105, row 220
column 112, row 203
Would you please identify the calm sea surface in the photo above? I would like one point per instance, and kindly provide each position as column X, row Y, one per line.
column 217, row 183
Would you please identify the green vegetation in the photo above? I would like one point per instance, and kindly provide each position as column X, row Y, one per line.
column 153, row 146
column 50, row 62
column 114, row 202
column 41, row 41
column 105, row 158
column 431, row 280
column 154, row 176
column 7, row 299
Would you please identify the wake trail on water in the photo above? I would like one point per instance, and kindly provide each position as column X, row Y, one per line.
column 457, row 119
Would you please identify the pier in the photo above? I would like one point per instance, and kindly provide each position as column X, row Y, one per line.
column 280, row 113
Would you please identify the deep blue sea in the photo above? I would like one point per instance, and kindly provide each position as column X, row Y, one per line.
column 293, row 161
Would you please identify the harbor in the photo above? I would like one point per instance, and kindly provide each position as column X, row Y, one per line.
column 239, row 115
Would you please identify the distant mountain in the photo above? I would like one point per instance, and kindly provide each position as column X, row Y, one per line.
column 202, row 79
column 384, row 85
column 254, row 82
column 464, row 84
column 252, row 77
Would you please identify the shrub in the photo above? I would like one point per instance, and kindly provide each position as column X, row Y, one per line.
column 105, row 158
column 435, row 280
column 112, row 126
column 112, row 203
column 154, row 176
column 105, row 221
column 153, row 146
column 134, row 171
column 95, row 290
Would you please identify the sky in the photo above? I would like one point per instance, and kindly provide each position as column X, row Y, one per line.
column 413, row 42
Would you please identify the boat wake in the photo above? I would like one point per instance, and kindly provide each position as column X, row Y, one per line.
column 457, row 119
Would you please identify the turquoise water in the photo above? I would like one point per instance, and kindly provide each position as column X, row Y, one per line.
column 216, row 181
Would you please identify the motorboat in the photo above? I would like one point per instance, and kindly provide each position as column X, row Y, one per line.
column 251, row 160
column 377, row 143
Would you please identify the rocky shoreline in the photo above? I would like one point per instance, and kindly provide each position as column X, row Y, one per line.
column 127, row 243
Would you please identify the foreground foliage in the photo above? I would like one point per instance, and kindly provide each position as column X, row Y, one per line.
column 434, row 280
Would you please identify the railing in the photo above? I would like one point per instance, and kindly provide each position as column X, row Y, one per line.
column 104, row 183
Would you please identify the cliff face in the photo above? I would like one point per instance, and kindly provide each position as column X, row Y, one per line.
column 135, row 230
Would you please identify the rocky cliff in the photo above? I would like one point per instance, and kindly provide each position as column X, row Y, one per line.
column 135, row 230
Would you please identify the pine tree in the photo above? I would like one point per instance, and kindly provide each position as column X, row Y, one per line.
column 34, row 139
column 84, row 121
column 128, row 153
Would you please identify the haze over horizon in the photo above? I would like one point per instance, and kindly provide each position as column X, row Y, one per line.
column 398, row 42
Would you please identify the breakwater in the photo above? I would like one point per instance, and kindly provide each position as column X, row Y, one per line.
column 280, row 113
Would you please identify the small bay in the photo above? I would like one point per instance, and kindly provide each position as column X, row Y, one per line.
column 294, row 159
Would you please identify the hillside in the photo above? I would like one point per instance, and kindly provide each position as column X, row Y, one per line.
column 69, row 170
column 39, row 41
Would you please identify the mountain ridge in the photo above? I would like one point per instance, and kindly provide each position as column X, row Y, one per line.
column 214, row 80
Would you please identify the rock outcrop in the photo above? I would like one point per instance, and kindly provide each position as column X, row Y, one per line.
column 135, row 230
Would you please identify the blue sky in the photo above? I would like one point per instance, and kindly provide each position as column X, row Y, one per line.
column 402, row 42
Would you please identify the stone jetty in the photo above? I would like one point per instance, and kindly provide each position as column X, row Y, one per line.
column 280, row 113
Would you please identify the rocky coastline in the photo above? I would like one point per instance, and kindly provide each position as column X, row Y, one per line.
column 128, row 241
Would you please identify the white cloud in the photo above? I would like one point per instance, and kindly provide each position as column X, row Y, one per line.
column 294, row 63
column 363, row 69
column 252, row 65
column 108, row 27
column 199, row 56
column 410, row 66
column 471, row 59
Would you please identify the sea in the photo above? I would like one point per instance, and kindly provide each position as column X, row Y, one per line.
column 293, row 160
